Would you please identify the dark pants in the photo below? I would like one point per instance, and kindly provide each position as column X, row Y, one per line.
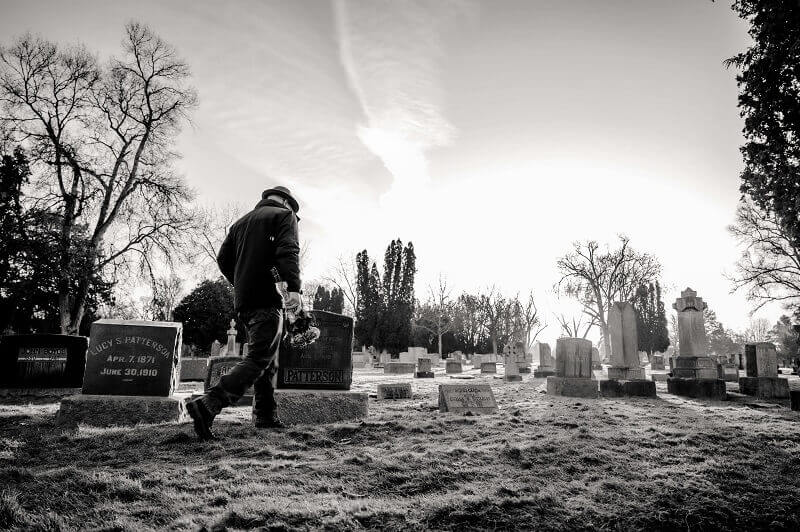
column 258, row 369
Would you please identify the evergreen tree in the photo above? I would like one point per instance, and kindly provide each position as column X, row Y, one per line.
column 651, row 318
column 206, row 314
column 322, row 299
column 336, row 303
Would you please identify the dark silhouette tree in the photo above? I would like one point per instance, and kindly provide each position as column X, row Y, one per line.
column 206, row 314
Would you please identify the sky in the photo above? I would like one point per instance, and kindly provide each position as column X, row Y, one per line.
column 491, row 134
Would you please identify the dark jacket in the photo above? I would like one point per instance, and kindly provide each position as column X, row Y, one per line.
column 264, row 238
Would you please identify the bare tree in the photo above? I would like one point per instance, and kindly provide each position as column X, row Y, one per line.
column 215, row 221
column 759, row 330
column 493, row 308
column 438, row 311
column 574, row 326
column 769, row 267
column 102, row 139
column 531, row 319
column 598, row 277
column 343, row 275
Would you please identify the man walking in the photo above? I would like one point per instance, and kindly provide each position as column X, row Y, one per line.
column 262, row 240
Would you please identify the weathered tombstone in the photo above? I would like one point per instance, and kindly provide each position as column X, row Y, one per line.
column 573, row 369
column 488, row 367
column 424, row 370
column 510, row 368
column 397, row 368
column 543, row 358
column 762, row 378
column 41, row 364
column 596, row 364
column 453, row 366
column 219, row 366
column 216, row 347
column 467, row 398
column 400, row 390
column 193, row 368
column 407, row 357
column 657, row 362
column 694, row 373
column 131, row 373
column 232, row 349
column 327, row 363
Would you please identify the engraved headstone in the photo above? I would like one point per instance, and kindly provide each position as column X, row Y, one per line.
column 623, row 336
column 216, row 347
column 424, row 370
column 762, row 359
column 573, row 369
column 324, row 364
column 463, row 398
column 42, row 361
column 130, row 357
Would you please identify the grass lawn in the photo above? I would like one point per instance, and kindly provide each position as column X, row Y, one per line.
column 543, row 462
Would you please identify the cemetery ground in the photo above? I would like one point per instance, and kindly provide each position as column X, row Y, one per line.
column 543, row 462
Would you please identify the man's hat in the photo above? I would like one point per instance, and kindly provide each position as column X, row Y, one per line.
column 285, row 194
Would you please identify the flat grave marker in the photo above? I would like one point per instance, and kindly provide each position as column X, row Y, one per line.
column 463, row 398
column 400, row 390
column 29, row 361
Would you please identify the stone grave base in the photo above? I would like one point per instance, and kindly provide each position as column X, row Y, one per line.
column 695, row 368
column 424, row 375
column 397, row 368
column 194, row 369
column 698, row 388
column 764, row 387
column 35, row 394
column 119, row 410
column 572, row 387
column 795, row 394
column 625, row 374
column 311, row 407
column 489, row 367
column 400, row 390
column 541, row 373
column 659, row 377
column 377, row 365
column 512, row 378
column 524, row 369
column 637, row 388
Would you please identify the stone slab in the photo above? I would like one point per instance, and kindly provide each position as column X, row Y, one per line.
column 695, row 367
column 730, row 372
column 325, row 364
column 400, row 390
column 541, row 373
column 314, row 407
column 463, row 398
column 795, row 396
column 424, row 365
column 513, row 378
column 574, row 358
column 698, row 388
column 765, row 387
column 572, row 387
column 424, row 375
column 399, row 368
column 659, row 377
column 623, row 388
column 489, row 367
column 524, row 369
column 193, row 369
column 761, row 359
column 119, row 410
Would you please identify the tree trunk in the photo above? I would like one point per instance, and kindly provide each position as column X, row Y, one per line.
column 440, row 343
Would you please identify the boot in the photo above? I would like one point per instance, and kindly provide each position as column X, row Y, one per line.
column 202, row 417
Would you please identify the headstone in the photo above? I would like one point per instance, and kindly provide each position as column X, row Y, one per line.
column 232, row 347
column 326, row 363
column 396, row 368
column 407, row 357
column 543, row 360
column 658, row 362
column 488, row 367
column 193, row 369
column 129, row 357
column 573, row 369
column 219, row 366
column 511, row 370
column 762, row 378
column 596, row 364
column 424, row 370
column 216, row 347
column 624, row 341
column 400, row 390
column 42, row 361
column 453, row 366
column 463, row 398
column 694, row 373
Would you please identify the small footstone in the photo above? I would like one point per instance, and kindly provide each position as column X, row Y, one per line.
column 453, row 367
column 300, row 407
column 401, row 390
column 795, row 394
column 698, row 388
column 637, row 388
column 424, row 375
column 489, row 367
column 572, row 387
column 463, row 398
column 193, row 369
column 119, row 410
column 764, row 387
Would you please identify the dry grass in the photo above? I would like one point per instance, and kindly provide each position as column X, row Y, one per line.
column 543, row 463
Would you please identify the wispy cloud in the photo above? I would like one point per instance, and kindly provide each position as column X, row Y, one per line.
column 392, row 52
